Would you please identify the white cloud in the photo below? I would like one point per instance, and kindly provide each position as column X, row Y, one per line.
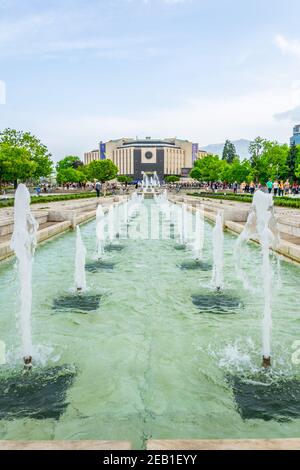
column 169, row 2
column 14, row 29
column 205, row 120
column 51, row 35
column 288, row 46
column 292, row 115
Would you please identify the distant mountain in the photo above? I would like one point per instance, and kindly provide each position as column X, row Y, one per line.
column 241, row 146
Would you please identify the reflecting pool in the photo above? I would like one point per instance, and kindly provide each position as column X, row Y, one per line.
column 148, row 360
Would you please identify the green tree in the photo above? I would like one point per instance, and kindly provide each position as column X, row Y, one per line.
column 124, row 179
column 292, row 161
column 229, row 152
column 38, row 152
column 297, row 171
column 70, row 161
column 172, row 179
column 256, row 148
column 102, row 170
column 237, row 171
column 68, row 175
column 268, row 160
column 70, row 170
column 273, row 162
column 15, row 164
column 208, row 169
column 82, row 173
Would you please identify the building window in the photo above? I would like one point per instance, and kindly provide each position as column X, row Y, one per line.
column 148, row 155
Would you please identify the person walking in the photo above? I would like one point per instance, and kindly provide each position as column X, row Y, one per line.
column 287, row 187
column 275, row 186
column 98, row 188
column 281, row 188
column 269, row 186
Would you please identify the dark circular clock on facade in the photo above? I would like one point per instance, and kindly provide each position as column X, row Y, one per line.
column 148, row 155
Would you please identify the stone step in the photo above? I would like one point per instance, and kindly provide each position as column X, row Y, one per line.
column 65, row 445
column 7, row 224
column 232, row 444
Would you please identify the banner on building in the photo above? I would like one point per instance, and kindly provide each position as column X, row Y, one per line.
column 195, row 150
column 102, row 151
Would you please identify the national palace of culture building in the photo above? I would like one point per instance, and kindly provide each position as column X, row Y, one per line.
column 133, row 157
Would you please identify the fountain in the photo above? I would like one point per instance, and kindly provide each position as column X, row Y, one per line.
column 261, row 225
column 80, row 302
column 95, row 265
column 110, row 223
column 42, row 393
column 198, row 243
column 156, row 180
column 128, row 322
column 23, row 243
column 79, row 277
column 145, row 182
column 182, row 226
column 100, row 231
column 218, row 242
column 218, row 301
column 148, row 185
column 113, row 218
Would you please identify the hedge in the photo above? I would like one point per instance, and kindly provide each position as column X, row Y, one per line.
column 282, row 201
column 45, row 199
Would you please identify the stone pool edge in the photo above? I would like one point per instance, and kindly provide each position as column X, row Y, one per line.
column 290, row 251
column 157, row 444
column 61, row 219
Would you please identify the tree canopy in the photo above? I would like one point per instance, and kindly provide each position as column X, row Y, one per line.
column 293, row 160
column 208, row 169
column 32, row 148
column 268, row 160
column 124, row 179
column 70, row 170
column 229, row 152
column 15, row 164
column 172, row 179
column 102, row 170
column 70, row 161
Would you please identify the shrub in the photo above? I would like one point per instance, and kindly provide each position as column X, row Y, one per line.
column 53, row 198
column 278, row 201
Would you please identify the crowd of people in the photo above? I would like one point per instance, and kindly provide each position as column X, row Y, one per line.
column 281, row 188
column 277, row 187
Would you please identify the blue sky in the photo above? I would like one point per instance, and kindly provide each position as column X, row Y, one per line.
column 77, row 71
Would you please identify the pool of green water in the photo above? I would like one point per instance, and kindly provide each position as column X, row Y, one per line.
column 149, row 362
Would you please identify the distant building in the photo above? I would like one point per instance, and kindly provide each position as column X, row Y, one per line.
column 91, row 156
column 133, row 157
column 296, row 135
column 202, row 154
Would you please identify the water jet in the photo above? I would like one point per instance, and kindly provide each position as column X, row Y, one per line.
column 261, row 225
column 23, row 242
column 218, row 241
